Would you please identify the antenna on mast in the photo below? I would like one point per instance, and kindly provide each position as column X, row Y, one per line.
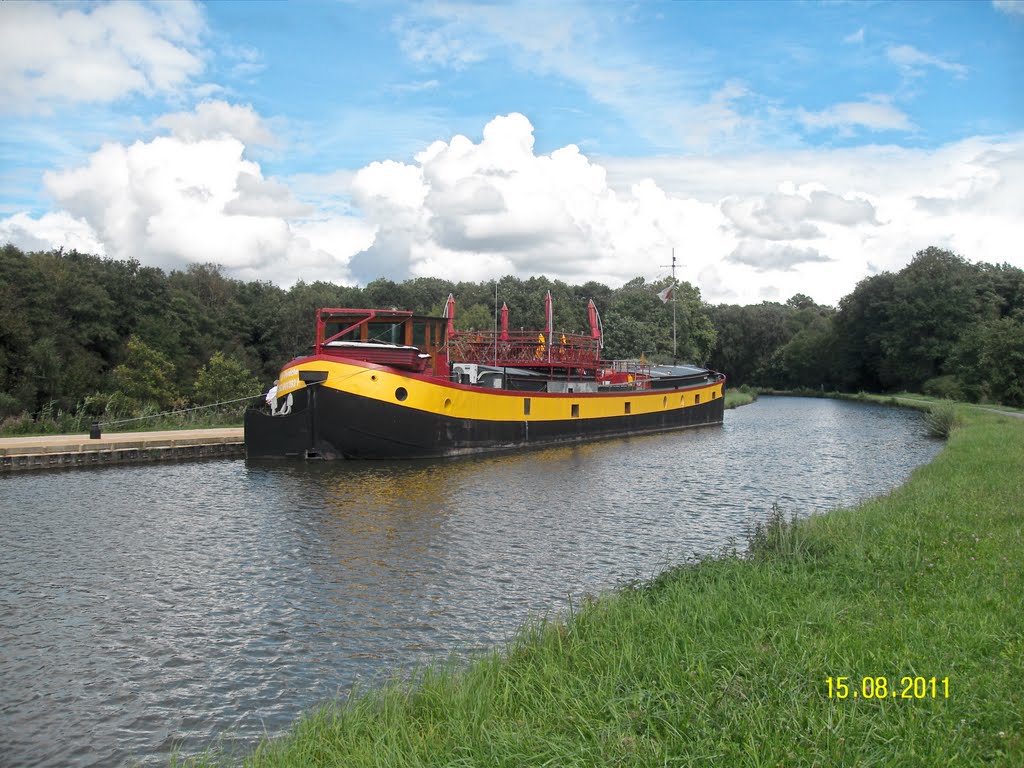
column 671, row 293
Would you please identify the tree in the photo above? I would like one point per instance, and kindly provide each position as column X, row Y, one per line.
column 146, row 376
column 989, row 361
column 746, row 339
column 474, row 318
column 806, row 360
column 223, row 379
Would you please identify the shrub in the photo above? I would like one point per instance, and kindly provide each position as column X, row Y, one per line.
column 944, row 387
column 942, row 419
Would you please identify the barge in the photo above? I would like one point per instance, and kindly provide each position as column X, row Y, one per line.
column 392, row 384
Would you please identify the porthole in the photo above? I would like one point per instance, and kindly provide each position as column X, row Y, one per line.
column 447, row 403
column 401, row 393
column 373, row 377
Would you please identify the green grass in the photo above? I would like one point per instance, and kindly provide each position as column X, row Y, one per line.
column 941, row 419
column 725, row 662
column 734, row 398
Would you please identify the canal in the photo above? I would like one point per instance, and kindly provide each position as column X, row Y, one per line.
column 182, row 606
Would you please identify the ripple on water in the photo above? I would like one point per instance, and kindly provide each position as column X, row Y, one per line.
column 175, row 606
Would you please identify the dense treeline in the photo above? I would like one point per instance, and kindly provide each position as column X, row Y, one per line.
column 80, row 333
column 941, row 325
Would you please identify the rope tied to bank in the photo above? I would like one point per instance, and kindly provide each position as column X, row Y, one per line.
column 96, row 429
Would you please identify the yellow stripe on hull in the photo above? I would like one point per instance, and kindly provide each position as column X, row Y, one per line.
column 461, row 402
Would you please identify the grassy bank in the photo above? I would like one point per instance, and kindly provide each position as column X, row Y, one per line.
column 727, row 662
column 734, row 398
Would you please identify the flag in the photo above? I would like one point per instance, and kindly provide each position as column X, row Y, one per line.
column 666, row 295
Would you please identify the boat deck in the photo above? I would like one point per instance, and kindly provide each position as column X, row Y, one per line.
column 60, row 451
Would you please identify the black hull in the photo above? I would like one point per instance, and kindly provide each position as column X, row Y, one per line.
column 332, row 424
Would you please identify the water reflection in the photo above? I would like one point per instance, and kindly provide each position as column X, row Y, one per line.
column 143, row 608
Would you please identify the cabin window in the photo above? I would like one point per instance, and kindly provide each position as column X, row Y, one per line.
column 575, row 410
column 419, row 334
column 526, row 406
column 696, row 399
column 629, row 407
column 714, row 395
column 401, row 393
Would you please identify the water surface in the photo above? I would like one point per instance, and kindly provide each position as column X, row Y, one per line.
column 184, row 605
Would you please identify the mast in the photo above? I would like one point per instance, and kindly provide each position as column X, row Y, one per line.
column 673, row 295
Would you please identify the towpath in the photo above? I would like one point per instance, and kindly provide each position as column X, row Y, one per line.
column 55, row 451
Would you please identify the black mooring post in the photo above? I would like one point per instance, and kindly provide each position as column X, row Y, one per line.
column 94, row 431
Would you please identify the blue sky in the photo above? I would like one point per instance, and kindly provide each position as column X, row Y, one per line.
column 778, row 146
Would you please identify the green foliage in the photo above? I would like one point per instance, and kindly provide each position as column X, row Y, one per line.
column 638, row 321
column 940, row 325
column 782, row 538
column 941, row 419
column 946, row 387
column 989, row 358
column 734, row 398
column 899, row 331
column 68, row 321
column 475, row 318
column 146, row 376
column 776, row 345
column 223, row 379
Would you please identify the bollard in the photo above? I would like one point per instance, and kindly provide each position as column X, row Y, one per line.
column 94, row 431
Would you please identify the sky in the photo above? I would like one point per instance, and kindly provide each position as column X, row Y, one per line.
column 773, row 148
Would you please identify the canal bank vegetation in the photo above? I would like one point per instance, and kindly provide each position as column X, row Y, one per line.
column 85, row 338
column 734, row 398
column 886, row 634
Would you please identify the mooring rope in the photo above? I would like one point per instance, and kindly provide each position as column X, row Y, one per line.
column 98, row 425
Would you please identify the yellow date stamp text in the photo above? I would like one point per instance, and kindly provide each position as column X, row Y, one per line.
column 881, row 687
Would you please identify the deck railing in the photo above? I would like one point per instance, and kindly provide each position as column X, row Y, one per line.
column 524, row 349
column 575, row 356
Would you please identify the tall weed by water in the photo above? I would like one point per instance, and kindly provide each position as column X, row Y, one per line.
column 778, row 537
column 941, row 419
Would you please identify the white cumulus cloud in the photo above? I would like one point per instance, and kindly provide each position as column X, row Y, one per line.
column 192, row 197
column 68, row 53
column 214, row 119
column 744, row 227
column 50, row 231
column 497, row 207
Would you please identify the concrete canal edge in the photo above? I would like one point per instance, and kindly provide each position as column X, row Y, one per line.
column 69, row 451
